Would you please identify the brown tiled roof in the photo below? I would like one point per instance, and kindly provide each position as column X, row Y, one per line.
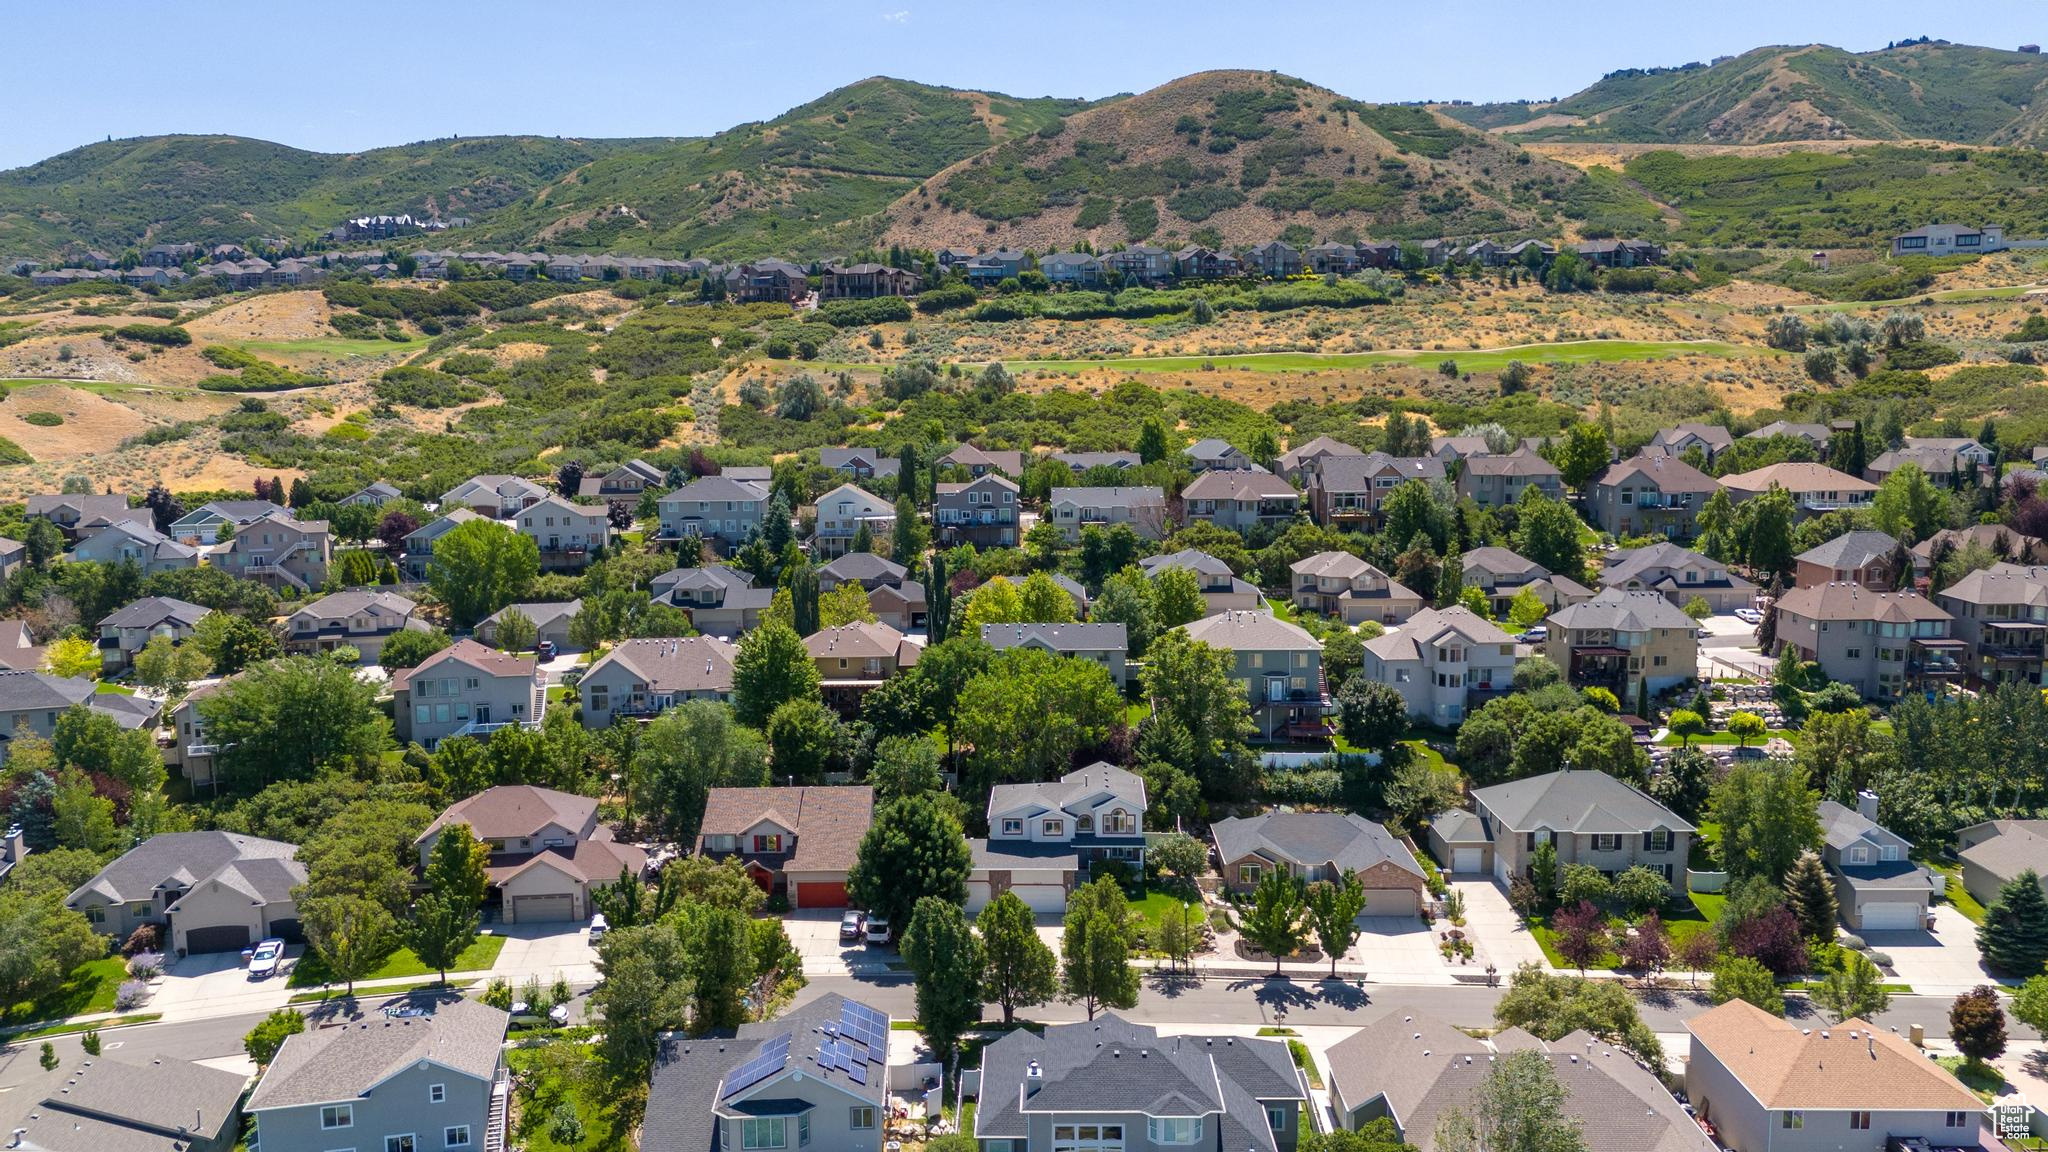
column 1668, row 473
column 1849, row 1066
column 476, row 655
column 1842, row 600
column 828, row 821
column 1796, row 477
column 591, row 861
column 1238, row 486
column 857, row 641
column 515, row 810
column 695, row 664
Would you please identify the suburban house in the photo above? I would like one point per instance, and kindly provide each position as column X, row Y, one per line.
column 1968, row 453
column 429, row 1075
column 995, row 267
column 567, row 533
column 1142, row 508
column 1342, row 585
column 1198, row 263
column 551, row 620
column 817, row 1076
column 1280, row 666
column 859, row 463
column 190, row 753
column 1883, row 644
column 842, row 511
column 1242, row 500
column 1650, row 495
column 19, row 651
column 981, row 512
column 2004, row 543
column 1105, row 644
column 359, row 618
column 1679, row 574
column 79, row 515
column 135, row 542
column 798, row 842
column 1877, row 885
column 2001, row 616
column 1766, row 1082
column 979, row 463
column 1042, row 837
column 33, row 700
column 1588, row 816
column 375, row 494
column 1412, row 1069
column 465, row 689
column 1816, row 489
column 854, row 658
column 1081, row 462
column 1298, row 464
column 1108, row 1084
column 498, row 497
column 766, row 282
column 867, row 281
column 279, row 551
column 1210, row 454
column 547, row 850
column 623, row 486
column 1333, row 259
column 717, row 507
column 1316, row 846
column 419, row 543
column 1949, row 240
column 1622, row 640
column 1710, row 439
column 901, row 606
column 1444, row 662
column 13, row 554
column 1502, row 575
column 208, row 891
column 640, row 679
column 116, row 1102
column 1347, row 490
column 1861, row 556
column 719, row 600
column 1071, row 269
column 1140, row 264
column 1816, row 435
column 1995, row 852
column 127, row 629
column 1497, row 481
column 205, row 522
column 1274, row 258
column 1222, row 590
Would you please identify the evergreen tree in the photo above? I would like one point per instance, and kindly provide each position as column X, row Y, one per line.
column 938, row 597
column 802, row 582
column 776, row 533
column 1811, row 896
column 2014, row 936
column 863, row 539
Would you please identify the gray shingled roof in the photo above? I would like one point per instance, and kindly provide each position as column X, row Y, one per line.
column 1099, row 778
column 328, row 1064
column 1624, row 610
column 1575, row 801
column 1850, row 550
column 2018, row 846
column 863, row 567
column 124, row 1103
column 695, row 664
column 1249, row 631
column 1059, row 637
column 189, row 858
column 151, row 611
column 1310, row 839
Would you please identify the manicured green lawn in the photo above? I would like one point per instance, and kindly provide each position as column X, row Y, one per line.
column 1470, row 360
column 1158, row 904
column 1721, row 738
column 478, row 957
column 1281, row 609
column 90, row 989
column 1135, row 714
column 113, row 689
column 1681, row 923
column 1957, row 896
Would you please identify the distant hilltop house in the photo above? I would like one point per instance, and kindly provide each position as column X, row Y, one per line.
column 385, row 227
column 1957, row 240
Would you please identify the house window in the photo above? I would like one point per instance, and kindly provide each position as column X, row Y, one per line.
column 405, row 1143
column 94, row 914
column 1888, row 853
column 1859, row 1121
column 1013, row 827
column 1088, row 1138
column 436, row 1093
column 767, row 843
column 456, row 1137
column 1660, row 840
column 1174, row 1129
column 764, row 1132
column 1248, row 873
column 337, row 1116
column 860, row 1119
column 1793, row 1121
column 1054, row 827
column 1859, row 855
column 803, row 1130
column 1956, row 1120
column 1276, row 1119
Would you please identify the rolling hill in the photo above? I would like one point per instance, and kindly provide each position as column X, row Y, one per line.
column 1237, row 157
column 1921, row 91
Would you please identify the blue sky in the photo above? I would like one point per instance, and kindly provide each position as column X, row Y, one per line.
column 340, row 77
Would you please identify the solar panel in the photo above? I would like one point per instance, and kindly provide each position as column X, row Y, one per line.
column 858, row 1071
column 774, row 1054
column 864, row 1024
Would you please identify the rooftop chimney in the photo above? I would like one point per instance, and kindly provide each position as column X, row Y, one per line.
column 1034, row 1079
column 1866, row 805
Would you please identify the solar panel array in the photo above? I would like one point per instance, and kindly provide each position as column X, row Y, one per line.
column 860, row 1038
column 774, row 1055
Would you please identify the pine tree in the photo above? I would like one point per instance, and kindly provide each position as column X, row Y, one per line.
column 2014, row 936
column 1811, row 896
column 938, row 601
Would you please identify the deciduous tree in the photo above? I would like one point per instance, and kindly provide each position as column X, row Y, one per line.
column 1976, row 1024
column 479, row 566
column 1018, row 970
column 771, row 668
column 945, row 957
column 1334, row 907
column 914, row 849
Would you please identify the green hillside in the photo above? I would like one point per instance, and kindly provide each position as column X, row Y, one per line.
column 1929, row 91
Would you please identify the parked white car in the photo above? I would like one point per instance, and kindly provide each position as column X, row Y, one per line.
column 265, row 961
column 1749, row 616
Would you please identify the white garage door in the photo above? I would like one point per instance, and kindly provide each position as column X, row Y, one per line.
column 1892, row 915
column 533, row 909
column 1466, row 859
column 1042, row 897
column 1390, row 902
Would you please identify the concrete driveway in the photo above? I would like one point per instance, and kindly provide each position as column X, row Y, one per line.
column 814, row 932
column 215, row 983
column 1943, row 962
column 1497, row 934
column 1398, row 950
column 546, row 949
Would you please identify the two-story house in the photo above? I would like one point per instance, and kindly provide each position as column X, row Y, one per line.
column 895, row 599
column 1589, row 817
column 1497, row 481
column 1650, row 495
column 622, row 486
column 498, row 497
column 981, row 512
column 1816, row 489
column 279, row 551
column 1342, row 585
column 1994, row 853
column 1300, row 463
column 1502, row 575
column 1679, row 574
column 359, row 618
column 1275, row 258
column 1142, row 507
column 714, row 507
column 1240, row 500
column 135, row 542
column 2001, row 616
column 127, row 629
column 1765, row 1082
column 1139, row 264
column 1621, row 640
column 1071, row 269
column 32, row 701
column 641, row 679
column 1081, row 462
column 979, row 462
column 208, row 891
column 719, row 600
column 1877, row 885
column 854, row 658
column 1347, row 491
column 842, row 511
column 131, row 1099
column 1222, row 589
column 1198, row 263
column 567, row 534
column 550, row 619
column 797, row 841
column 375, row 494
column 1108, row 1084
column 79, row 515
column 1710, row 439
column 1444, row 662
column 466, row 689
column 1105, row 644
column 1211, row 454
column 817, row 1076
column 1315, row 846
column 419, row 543
column 547, row 851
column 1043, row 838
column 859, row 463
column 1883, row 644
column 1860, row 556
column 425, row 1075
column 1280, row 666
column 205, row 522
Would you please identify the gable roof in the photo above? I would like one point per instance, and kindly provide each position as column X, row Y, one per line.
column 2002, row 583
column 467, row 651
column 1850, row 551
column 1841, row 825
column 1141, row 496
column 1624, row 610
column 1335, row 565
column 1843, row 600
column 1520, row 462
column 121, row 1102
column 1429, row 625
column 860, row 567
column 340, row 1063
column 1321, row 446
column 1713, row 435
column 2014, row 847
column 1068, row 637
column 543, row 614
column 1502, row 562
column 514, row 810
column 693, row 664
column 1850, row 1066
column 442, row 525
column 1345, row 839
column 1356, row 473
column 1667, row 473
column 839, row 459
column 1642, row 564
column 828, row 821
column 151, row 611
column 1097, row 779
column 1796, row 477
column 719, row 487
column 859, row 640
column 1239, row 485
column 1251, row 631
column 1189, row 558
column 1575, row 801
column 868, row 502
column 188, row 858
column 351, row 601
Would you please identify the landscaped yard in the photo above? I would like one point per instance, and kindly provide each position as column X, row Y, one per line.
column 1958, row 897
column 90, row 989
column 1982, row 1079
column 1681, row 923
column 542, row 1092
column 1158, row 903
column 478, row 957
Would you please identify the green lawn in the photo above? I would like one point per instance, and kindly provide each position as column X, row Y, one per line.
column 113, row 689
column 341, row 993
column 1681, row 923
column 1158, row 904
column 69, row 1029
column 1727, row 739
column 1957, row 896
column 90, row 989
column 1982, row 1079
column 1281, row 609
column 334, row 346
column 1135, row 714
column 478, row 957
column 1950, row 296
column 1469, row 360
column 540, row 1096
